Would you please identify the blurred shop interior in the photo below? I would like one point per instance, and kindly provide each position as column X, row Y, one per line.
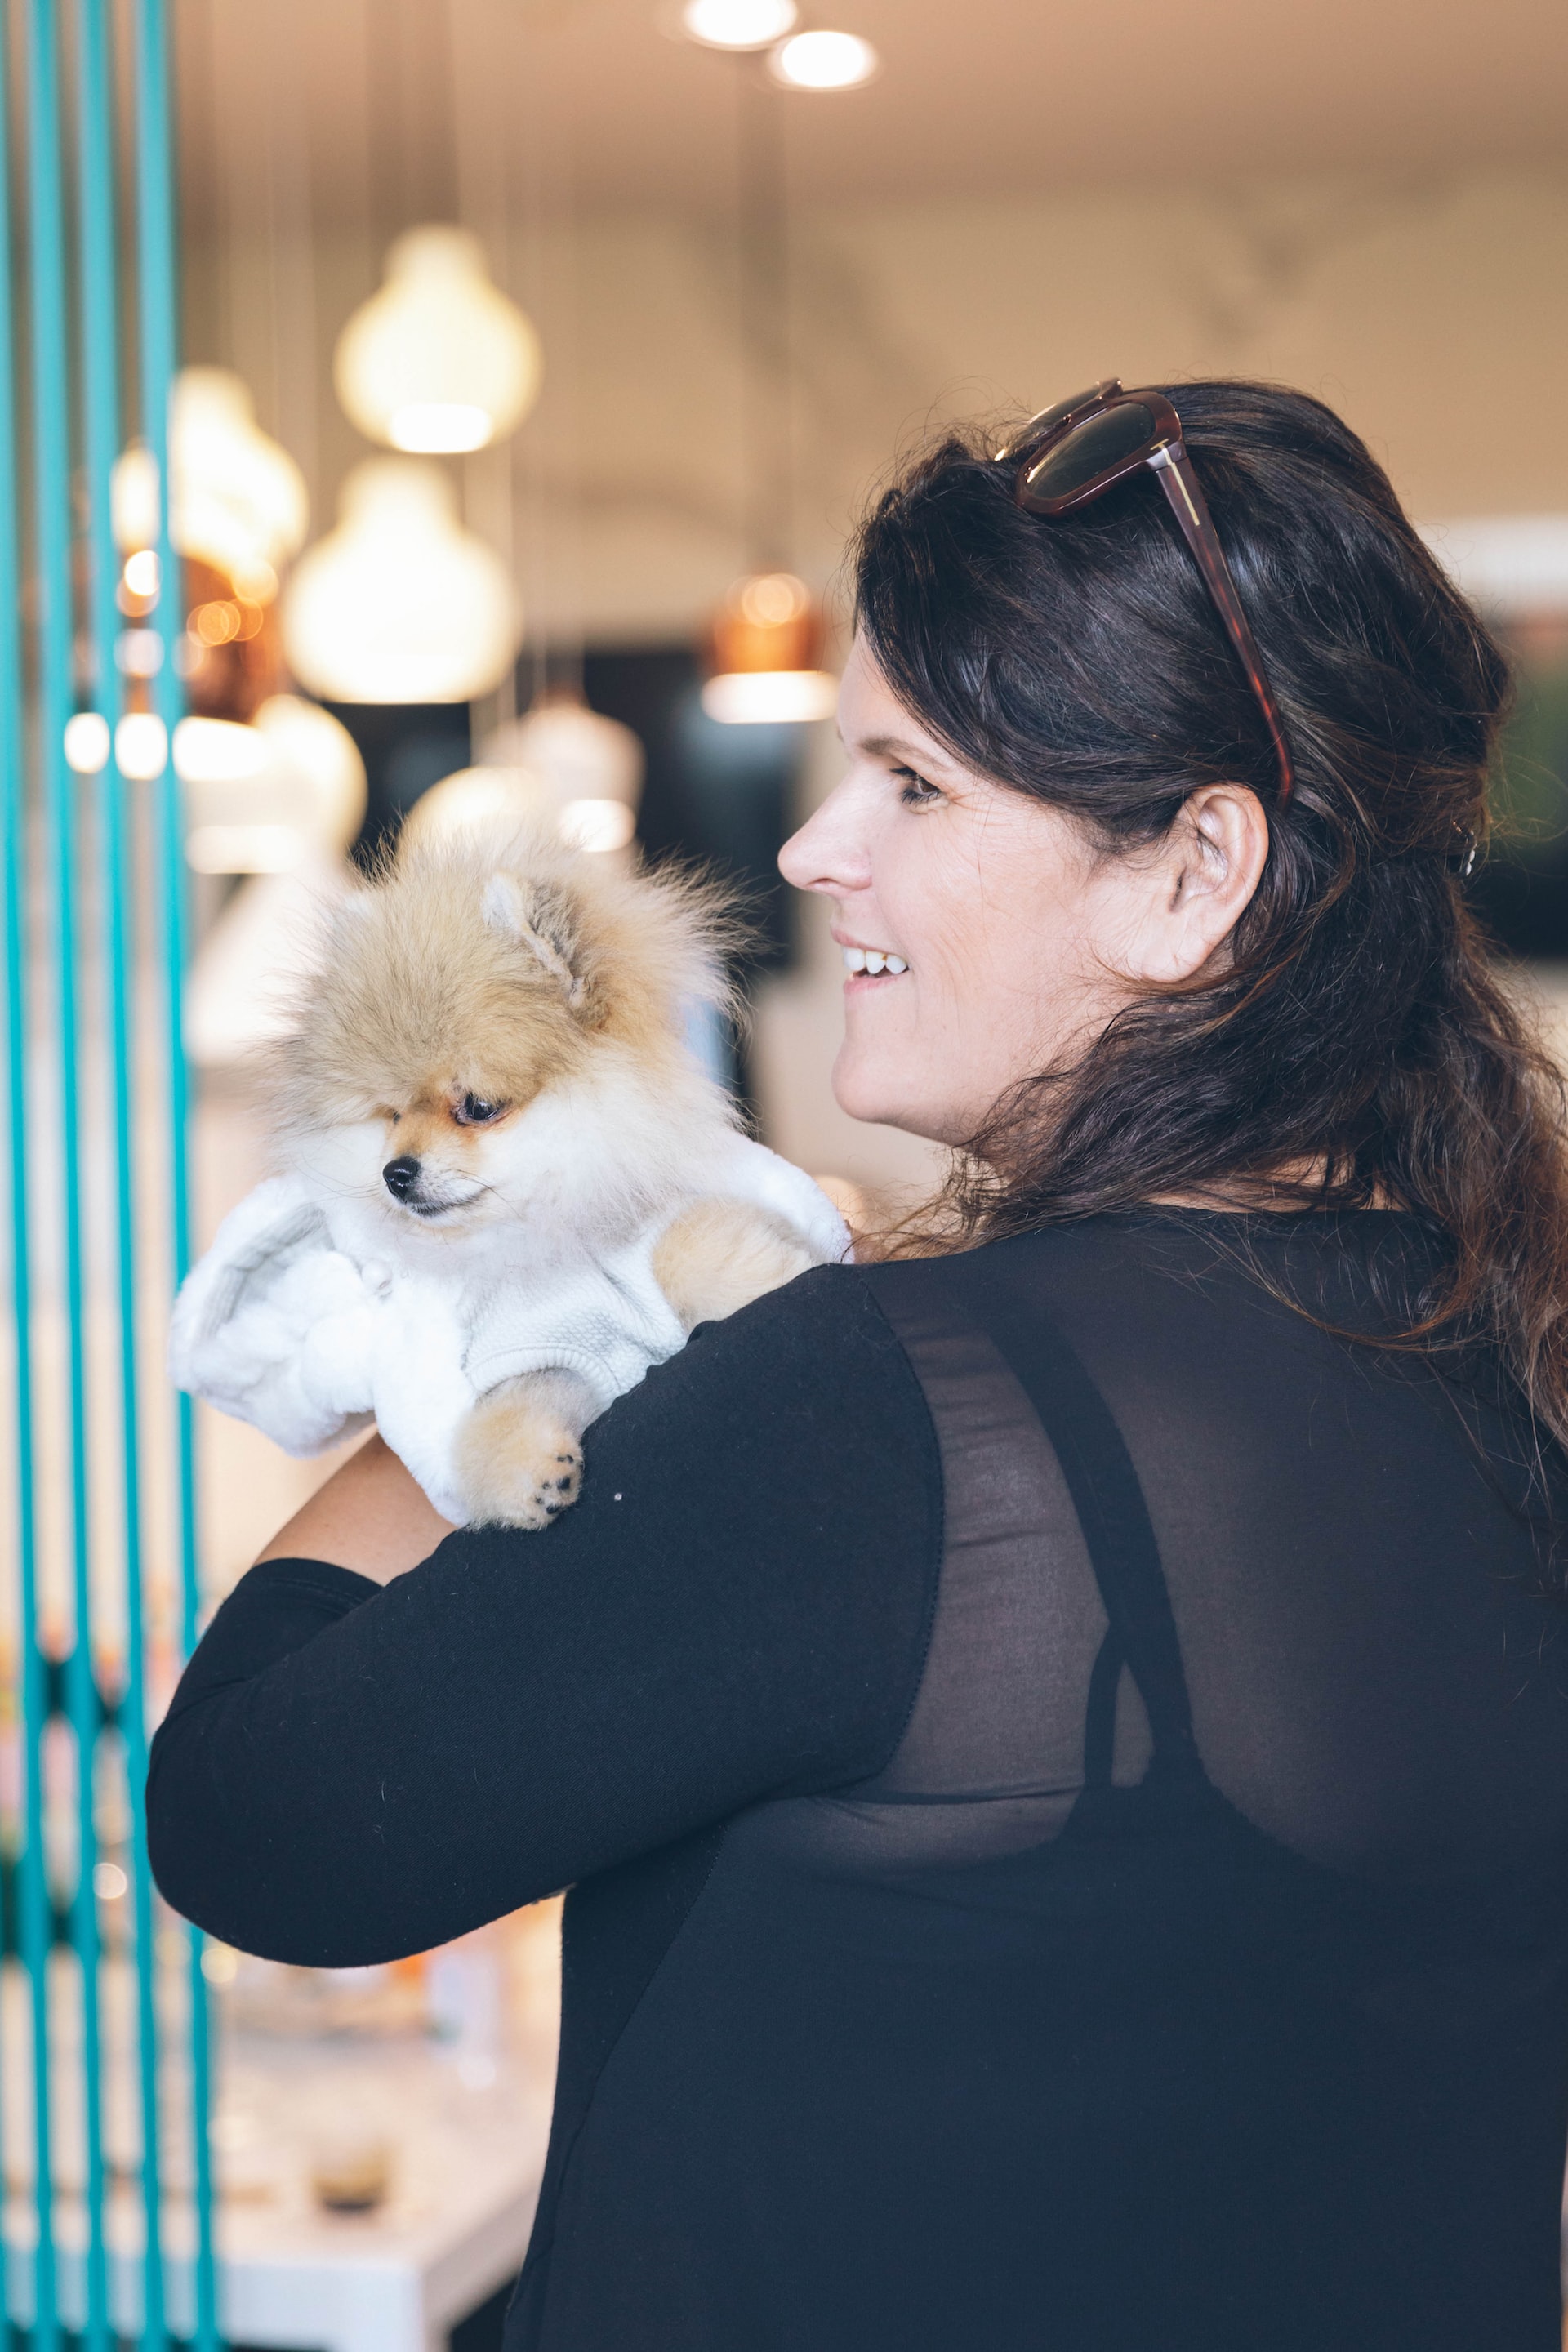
column 537, row 356
column 542, row 352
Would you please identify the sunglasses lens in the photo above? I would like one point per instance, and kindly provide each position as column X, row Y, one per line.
column 1092, row 447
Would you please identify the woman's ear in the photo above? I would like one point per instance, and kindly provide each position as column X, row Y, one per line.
column 1201, row 882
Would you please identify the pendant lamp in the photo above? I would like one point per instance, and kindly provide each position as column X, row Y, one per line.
column 591, row 767
column 487, row 801
column 765, row 654
column 240, row 502
column 269, row 797
column 399, row 603
column 562, row 765
column 437, row 361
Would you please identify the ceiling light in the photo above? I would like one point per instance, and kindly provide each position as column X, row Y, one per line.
column 140, row 746
column 486, row 801
column 438, row 428
column 217, row 752
column 438, row 361
column 399, row 603
column 578, row 755
column 87, row 744
column 270, row 797
column 737, row 24
column 775, row 698
column 765, row 655
column 823, row 61
column 598, row 826
column 239, row 504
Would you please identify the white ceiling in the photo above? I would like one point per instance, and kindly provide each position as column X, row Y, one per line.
column 975, row 96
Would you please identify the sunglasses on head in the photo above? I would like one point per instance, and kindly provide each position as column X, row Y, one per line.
column 1071, row 453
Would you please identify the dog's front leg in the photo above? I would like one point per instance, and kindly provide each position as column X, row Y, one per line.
column 719, row 1254
column 519, row 1452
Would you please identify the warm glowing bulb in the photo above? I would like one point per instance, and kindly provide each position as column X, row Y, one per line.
column 737, row 24
column 578, row 754
column 438, row 361
column 769, row 599
column 399, row 603
column 823, row 61
column 486, row 801
column 239, row 500
column 439, row 428
column 769, row 698
column 87, row 744
column 272, row 796
column 599, row 825
column 217, row 752
column 141, row 746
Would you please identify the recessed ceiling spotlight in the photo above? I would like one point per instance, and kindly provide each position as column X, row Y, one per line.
column 737, row 24
column 823, row 61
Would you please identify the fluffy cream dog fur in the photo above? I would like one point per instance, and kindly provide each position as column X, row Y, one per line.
column 489, row 1077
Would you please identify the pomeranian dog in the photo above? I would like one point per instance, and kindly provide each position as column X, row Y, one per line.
column 506, row 1188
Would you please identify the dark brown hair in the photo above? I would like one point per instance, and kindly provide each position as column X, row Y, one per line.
column 1358, row 1029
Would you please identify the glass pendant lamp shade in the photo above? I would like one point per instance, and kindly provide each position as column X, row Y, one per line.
column 563, row 766
column 489, row 801
column 437, row 361
column 765, row 654
column 272, row 796
column 399, row 603
column 588, row 768
column 240, row 502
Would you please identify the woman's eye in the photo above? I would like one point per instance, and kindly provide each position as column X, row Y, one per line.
column 913, row 790
column 475, row 1111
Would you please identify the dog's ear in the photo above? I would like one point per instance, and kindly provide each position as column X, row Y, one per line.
column 540, row 921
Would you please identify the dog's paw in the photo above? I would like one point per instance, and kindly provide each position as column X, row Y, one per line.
column 518, row 1467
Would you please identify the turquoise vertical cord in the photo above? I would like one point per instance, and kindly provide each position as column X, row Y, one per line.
column 99, row 346
column 34, row 1906
column 158, row 320
column 51, row 527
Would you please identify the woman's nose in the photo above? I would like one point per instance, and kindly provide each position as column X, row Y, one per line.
column 829, row 852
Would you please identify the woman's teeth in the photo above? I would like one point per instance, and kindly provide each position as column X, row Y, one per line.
column 872, row 959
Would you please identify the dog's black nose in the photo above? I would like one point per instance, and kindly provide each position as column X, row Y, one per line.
column 400, row 1176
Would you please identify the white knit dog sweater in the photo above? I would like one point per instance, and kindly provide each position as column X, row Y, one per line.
column 292, row 1323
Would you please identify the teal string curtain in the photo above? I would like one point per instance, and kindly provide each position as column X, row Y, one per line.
column 104, row 2086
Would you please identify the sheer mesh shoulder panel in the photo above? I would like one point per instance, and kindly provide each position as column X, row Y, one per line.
column 1375, row 1678
column 992, row 1758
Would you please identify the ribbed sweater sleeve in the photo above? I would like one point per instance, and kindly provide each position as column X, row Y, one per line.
column 737, row 1607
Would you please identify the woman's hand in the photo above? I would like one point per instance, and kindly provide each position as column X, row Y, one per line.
column 370, row 1515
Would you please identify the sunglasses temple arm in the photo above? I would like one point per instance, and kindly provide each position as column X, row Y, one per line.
column 1188, row 504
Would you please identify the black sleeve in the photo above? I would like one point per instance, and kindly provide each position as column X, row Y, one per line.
column 736, row 1607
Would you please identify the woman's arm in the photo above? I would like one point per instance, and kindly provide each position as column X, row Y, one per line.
column 369, row 1516
column 737, row 1606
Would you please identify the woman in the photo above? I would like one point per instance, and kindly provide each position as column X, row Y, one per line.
column 1059, row 1745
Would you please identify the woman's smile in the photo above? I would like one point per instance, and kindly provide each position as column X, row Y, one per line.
column 862, row 963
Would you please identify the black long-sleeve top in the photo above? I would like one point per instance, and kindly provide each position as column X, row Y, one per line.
column 1059, row 1760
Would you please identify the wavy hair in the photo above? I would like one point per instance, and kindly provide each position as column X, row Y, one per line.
column 1357, row 1029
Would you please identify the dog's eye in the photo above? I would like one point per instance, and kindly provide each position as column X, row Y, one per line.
column 474, row 1111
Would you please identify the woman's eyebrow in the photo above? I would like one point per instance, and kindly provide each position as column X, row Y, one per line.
column 893, row 747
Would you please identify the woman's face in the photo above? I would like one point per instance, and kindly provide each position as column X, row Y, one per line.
column 987, row 937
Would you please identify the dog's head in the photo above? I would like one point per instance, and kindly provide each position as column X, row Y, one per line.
column 493, row 1021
